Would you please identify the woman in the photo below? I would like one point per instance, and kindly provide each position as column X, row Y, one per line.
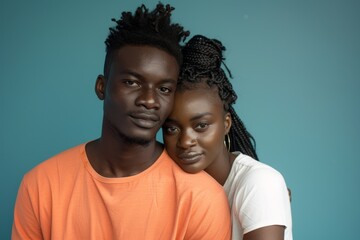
column 202, row 120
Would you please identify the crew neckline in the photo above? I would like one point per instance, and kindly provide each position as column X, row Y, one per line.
column 101, row 178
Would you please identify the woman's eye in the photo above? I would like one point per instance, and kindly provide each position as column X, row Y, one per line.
column 171, row 130
column 202, row 126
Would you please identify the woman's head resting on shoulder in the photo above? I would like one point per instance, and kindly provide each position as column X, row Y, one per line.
column 203, row 115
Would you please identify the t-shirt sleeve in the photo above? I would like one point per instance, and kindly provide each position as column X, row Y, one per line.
column 26, row 223
column 210, row 217
column 262, row 200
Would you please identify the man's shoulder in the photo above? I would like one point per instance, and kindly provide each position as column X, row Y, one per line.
column 63, row 160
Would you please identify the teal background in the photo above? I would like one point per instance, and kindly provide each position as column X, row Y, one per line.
column 296, row 68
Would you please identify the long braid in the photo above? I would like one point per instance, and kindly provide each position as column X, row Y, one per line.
column 241, row 139
column 202, row 58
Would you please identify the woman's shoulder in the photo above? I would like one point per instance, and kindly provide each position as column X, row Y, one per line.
column 249, row 169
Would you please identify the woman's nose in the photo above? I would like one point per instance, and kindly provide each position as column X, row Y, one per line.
column 186, row 140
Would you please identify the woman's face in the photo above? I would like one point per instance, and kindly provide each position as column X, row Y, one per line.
column 195, row 130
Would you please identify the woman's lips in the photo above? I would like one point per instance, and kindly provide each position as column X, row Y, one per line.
column 189, row 158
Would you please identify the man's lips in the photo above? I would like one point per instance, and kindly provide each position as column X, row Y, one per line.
column 145, row 120
column 189, row 157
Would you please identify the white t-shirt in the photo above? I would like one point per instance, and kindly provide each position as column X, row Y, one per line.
column 258, row 197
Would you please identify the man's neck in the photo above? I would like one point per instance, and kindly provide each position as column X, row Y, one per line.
column 121, row 159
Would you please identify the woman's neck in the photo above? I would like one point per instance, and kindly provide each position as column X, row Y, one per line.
column 220, row 169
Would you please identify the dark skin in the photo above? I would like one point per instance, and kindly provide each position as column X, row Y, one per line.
column 194, row 135
column 138, row 95
column 274, row 232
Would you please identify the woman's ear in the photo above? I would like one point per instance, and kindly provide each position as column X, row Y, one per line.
column 100, row 85
column 227, row 122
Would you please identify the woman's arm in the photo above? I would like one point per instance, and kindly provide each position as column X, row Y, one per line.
column 259, row 202
column 274, row 232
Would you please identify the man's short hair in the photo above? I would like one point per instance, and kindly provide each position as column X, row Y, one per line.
column 145, row 28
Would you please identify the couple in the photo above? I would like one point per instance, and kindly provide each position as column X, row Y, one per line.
column 124, row 185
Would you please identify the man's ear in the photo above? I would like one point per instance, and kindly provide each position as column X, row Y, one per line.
column 100, row 86
column 227, row 122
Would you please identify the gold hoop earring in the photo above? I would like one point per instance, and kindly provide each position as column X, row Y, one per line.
column 227, row 142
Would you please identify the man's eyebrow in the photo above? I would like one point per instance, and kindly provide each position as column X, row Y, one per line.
column 137, row 75
column 129, row 72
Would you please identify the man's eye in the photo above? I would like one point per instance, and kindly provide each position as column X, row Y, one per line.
column 131, row 83
column 165, row 90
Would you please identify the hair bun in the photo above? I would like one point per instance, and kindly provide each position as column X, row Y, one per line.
column 203, row 53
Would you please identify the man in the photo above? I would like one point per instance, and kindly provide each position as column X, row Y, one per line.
column 124, row 185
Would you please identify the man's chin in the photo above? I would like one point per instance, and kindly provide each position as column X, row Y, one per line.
column 137, row 140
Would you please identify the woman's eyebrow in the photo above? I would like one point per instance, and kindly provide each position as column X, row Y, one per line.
column 198, row 116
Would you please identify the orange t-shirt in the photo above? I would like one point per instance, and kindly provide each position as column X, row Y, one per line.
column 65, row 198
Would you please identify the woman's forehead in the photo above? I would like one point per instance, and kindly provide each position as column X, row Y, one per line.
column 202, row 95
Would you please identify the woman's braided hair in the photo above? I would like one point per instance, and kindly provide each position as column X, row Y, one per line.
column 202, row 59
column 144, row 27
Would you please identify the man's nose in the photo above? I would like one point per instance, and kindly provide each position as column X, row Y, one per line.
column 148, row 98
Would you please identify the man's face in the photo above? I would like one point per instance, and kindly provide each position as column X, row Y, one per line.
column 139, row 92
